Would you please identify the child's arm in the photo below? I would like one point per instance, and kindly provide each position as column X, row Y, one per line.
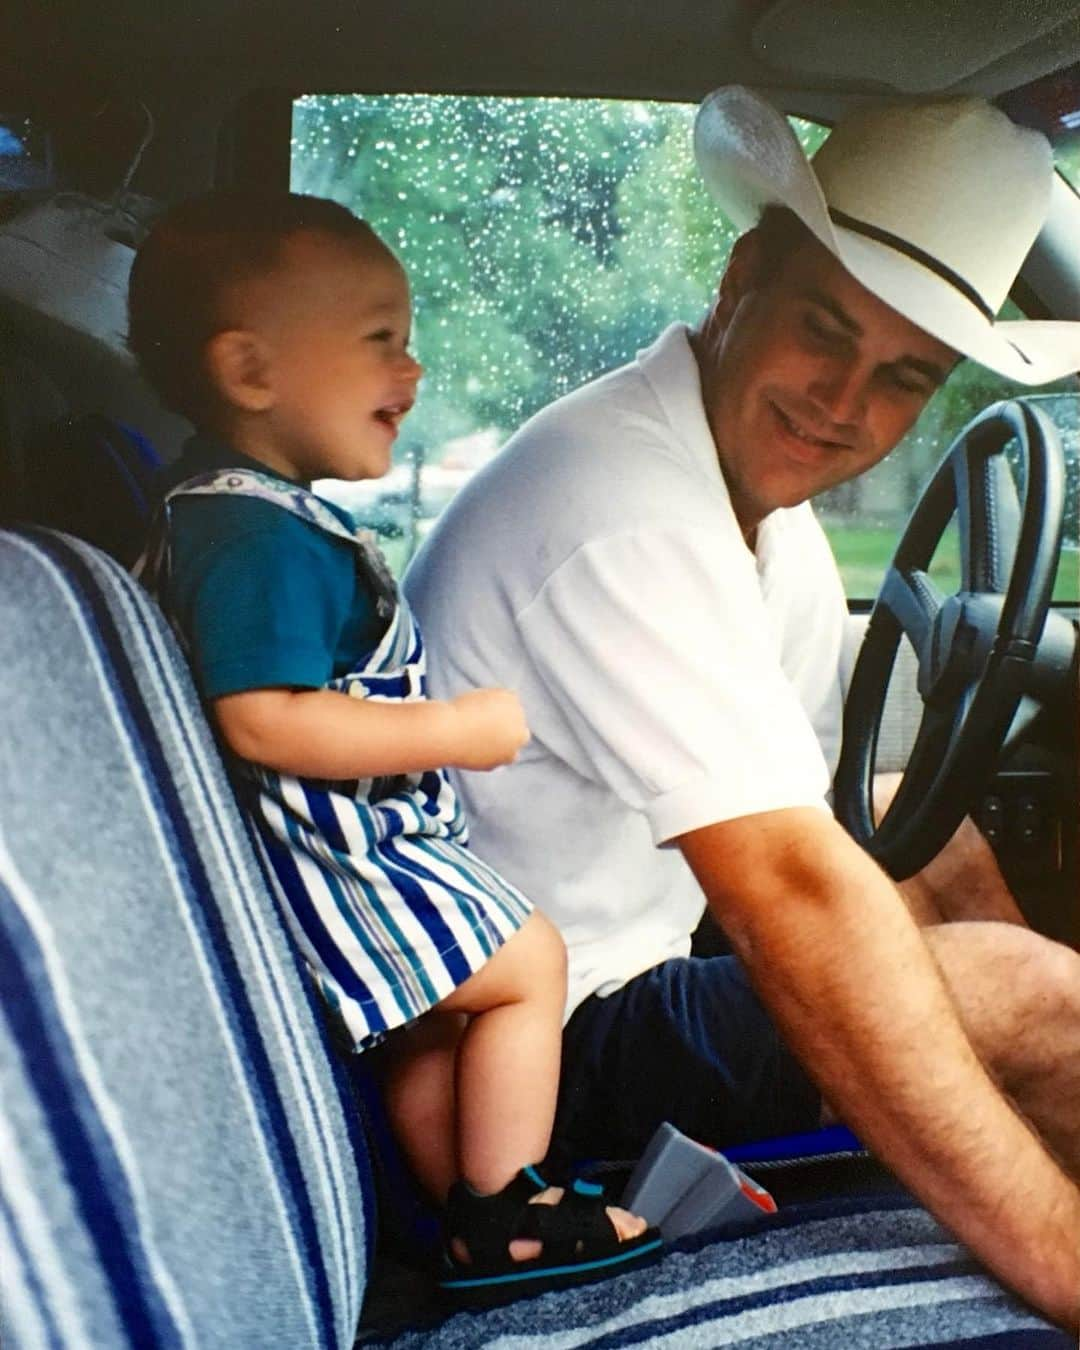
column 320, row 733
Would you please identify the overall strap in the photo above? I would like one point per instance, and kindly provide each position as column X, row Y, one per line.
column 268, row 488
column 291, row 497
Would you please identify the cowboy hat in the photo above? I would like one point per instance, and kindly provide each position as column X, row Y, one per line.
column 931, row 205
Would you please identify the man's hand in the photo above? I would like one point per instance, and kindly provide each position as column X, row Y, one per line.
column 492, row 728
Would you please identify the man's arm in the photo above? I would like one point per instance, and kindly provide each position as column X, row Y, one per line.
column 842, row 968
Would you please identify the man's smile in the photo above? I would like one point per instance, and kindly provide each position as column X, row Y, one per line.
column 803, row 433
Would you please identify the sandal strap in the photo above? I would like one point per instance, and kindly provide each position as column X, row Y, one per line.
column 577, row 1228
column 487, row 1224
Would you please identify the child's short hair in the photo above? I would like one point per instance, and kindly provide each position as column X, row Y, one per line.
column 194, row 251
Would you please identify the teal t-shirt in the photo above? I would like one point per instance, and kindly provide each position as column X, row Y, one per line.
column 263, row 598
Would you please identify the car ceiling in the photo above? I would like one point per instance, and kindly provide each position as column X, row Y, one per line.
column 190, row 63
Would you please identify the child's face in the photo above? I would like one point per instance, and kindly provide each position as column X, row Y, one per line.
column 334, row 323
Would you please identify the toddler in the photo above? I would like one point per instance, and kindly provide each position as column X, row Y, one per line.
column 279, row 325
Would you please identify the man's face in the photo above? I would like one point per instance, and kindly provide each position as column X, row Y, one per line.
column 808, row 378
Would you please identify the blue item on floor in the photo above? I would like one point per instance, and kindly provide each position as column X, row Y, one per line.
column 814, row 1143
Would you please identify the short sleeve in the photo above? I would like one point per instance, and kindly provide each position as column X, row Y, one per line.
column 264, row 609
column 665, row 680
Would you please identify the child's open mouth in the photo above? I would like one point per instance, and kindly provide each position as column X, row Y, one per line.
column 392, row 414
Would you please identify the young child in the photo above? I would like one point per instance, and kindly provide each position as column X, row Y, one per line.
column 279, row 324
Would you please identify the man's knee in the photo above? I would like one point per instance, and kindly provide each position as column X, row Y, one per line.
column 964, row 883
column 995, row 956
column 1017, row 993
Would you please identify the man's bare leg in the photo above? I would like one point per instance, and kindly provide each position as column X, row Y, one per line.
column 1018, row 996
column 963, row 883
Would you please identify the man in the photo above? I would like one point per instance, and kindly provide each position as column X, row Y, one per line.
column 641, row 563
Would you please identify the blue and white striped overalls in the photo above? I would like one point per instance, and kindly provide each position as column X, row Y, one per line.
column 390, row 908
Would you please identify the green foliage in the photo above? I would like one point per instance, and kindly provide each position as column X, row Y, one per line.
column 863, row 553
column 1067, row 157
column 546, row 239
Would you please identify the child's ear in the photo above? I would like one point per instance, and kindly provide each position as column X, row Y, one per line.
column 239, row 369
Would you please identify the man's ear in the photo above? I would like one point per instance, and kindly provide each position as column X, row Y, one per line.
column 741, row 274
column 239, row 369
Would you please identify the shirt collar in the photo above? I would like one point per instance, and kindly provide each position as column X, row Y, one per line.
column 671, row 370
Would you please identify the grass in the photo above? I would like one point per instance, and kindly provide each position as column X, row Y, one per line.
column 863, row 554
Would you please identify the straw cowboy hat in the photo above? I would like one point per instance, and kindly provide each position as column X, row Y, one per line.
column 933, row 206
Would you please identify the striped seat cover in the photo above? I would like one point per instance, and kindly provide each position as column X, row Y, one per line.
column 178, row 1162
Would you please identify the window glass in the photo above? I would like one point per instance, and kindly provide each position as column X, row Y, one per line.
column 1067, row 154
column 863, row 518
column 546, row 241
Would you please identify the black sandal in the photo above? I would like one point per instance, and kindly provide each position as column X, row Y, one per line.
column 580, row 1242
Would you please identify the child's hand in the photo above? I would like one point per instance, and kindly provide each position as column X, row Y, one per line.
column 492, row 728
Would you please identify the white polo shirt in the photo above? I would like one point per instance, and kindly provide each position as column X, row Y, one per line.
column 671, row 678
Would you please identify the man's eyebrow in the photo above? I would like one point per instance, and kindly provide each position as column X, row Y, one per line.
column 934, row 373
column 929, row 369
column 827, row 303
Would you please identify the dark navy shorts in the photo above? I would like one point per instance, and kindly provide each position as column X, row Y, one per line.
column 689, row 1042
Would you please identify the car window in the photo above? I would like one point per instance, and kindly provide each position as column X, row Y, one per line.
column 547, row 240
column 1067, row 157
column 863, row 518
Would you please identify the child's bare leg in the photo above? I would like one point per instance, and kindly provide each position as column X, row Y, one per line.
column 508, row 1059
column 508, row 1066
column 418, row 1080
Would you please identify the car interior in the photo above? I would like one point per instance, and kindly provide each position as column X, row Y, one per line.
column 185, row 1157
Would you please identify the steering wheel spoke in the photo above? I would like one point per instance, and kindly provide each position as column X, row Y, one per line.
column 914, row 602
column 988, row 518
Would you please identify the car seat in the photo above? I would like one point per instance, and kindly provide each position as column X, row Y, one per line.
column 87, row 475
column 182, row 1160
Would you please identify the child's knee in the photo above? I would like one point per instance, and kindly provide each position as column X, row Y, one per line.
column 546, row 948
column 535, row 962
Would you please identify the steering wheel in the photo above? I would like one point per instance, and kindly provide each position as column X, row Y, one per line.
column 985, row 654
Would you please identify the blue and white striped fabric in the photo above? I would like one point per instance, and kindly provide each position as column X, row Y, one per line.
column 179, row 1163
column 390, row 909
